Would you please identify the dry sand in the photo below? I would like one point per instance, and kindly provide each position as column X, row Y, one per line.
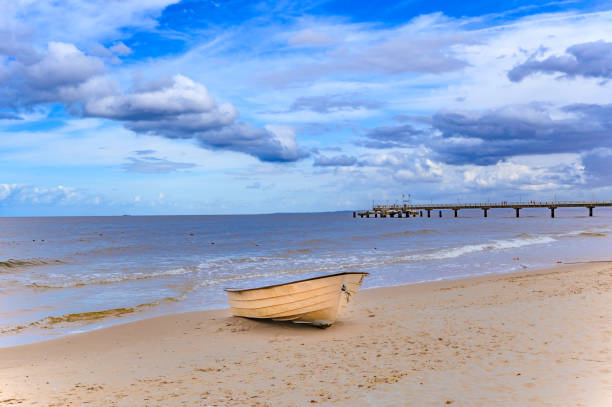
column 527, row 339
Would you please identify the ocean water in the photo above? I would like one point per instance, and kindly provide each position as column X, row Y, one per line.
column 63, row 275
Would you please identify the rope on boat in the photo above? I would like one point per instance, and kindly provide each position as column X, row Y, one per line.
column 346, row 292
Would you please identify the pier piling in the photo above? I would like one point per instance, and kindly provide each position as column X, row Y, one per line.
column 485, row 211
column 517, row 211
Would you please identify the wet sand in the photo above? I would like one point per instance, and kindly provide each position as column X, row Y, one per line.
column 540, row 338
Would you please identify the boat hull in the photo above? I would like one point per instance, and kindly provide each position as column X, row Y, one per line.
column 314, row 301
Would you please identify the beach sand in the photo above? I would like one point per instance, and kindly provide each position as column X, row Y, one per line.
column 540, row 338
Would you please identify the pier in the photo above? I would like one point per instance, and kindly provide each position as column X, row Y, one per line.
column 412, row 210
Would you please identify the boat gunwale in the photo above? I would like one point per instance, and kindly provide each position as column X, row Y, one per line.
column 234, row 290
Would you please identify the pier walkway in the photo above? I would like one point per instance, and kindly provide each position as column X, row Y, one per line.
column 408, row 210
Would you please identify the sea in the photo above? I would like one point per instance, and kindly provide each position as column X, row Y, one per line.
column 64, row 275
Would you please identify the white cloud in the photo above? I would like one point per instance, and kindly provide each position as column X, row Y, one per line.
column 81, row 21
column 120, row 49
column 286, row 138
column 63, row 64
column 176, row 96
column 62, row 74
column 513, row 175
column 154, row 165
column 309, row 38
column 335, row 161
column 14, row 194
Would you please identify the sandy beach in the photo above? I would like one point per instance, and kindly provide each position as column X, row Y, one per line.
column 539, row 338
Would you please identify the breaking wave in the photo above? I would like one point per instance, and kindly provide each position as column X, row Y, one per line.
column 332, row 264
column 495, row 245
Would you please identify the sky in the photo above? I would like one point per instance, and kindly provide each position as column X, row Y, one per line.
column 150, row 107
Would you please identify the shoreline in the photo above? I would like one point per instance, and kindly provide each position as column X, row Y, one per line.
column 117, row 323
column 538, row 337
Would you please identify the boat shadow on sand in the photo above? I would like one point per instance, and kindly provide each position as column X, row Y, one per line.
column 268, row 326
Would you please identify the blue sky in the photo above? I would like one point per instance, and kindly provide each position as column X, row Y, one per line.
column 206, row 107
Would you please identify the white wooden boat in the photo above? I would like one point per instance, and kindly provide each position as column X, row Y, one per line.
column 315, row 301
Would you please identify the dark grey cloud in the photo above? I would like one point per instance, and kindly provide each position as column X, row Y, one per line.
column 179, row 108
column 154, row 165
column 598, row 166
column 261, row 143
column 336, row 161
column 602, row 114
column 174, row 107
column 392, row 136
column 334, row 103
column 590, row 60
column 487, row 138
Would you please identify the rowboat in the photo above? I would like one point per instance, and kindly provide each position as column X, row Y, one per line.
column 316, row 301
